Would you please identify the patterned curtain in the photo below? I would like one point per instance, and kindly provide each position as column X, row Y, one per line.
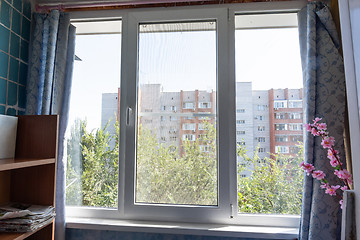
column 324, row 94
column 49, row 84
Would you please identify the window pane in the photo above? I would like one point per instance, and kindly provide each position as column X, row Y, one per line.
column 269, row 89
column 92, row 137
column 176, row 159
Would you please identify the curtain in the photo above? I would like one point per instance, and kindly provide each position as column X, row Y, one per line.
column 48, row 86
column 324, row 96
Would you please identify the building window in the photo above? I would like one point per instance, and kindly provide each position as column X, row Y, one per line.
column 293, row 115
column 240, row 132
column 261, row 107
column 261, row 139
column 261, row 128
column 173, row 118
column 296, row 138
column 241, row 143
column 281, row 149
column 173, row 108
column 173, row 139
column 261, row 150
column 189, row 137
column 281, row 126
column 295, row 126
column 240, row 110
column 280, row 104
column 295, row 103
column 163, row 108
column 281, row 138
column 188, row 105
column 189, row 126
column 240, row 121
column 204, row 104
column 162, row 118
column 279, row 115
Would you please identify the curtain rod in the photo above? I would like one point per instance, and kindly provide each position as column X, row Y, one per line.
column 136, row 4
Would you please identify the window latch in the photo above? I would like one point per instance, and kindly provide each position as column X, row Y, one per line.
column 128, row 113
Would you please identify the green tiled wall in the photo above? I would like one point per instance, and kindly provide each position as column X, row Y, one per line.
column 15, row 24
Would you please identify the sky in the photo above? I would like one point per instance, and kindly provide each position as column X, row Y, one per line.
column 269, row 58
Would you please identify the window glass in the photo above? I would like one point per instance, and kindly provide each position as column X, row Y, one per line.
column 92, row 140
column 177, row 66
column 269, row 82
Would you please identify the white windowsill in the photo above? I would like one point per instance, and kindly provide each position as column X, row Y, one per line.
column 183, row 228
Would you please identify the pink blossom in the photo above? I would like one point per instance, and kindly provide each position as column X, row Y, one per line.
column 324, row 185
column 314, row 132
column 332, row 190
column 317, row 119
column 342, row 174
column 334, row 162
column 344, row 188
column 328, row 142
column 308, row 127
column 321, row 126
column 307, row 167
column 341, row 203
column 318, row 174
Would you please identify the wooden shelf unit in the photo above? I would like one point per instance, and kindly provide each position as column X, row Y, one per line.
column 30, row 176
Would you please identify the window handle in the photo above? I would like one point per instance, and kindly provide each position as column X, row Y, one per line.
column 128, row 113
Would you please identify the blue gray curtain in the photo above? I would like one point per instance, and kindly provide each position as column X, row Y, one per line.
column 324, row 94
column 49, row 84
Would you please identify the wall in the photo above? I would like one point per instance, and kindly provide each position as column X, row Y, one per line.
column 77, row 234
column 15, row 22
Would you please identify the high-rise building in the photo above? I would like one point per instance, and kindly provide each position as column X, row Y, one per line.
column 267, row 121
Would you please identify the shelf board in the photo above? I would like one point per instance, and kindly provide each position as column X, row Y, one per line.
column 8, row 164
column 20, row 236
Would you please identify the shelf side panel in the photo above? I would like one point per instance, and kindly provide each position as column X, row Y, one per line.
column 37, row 136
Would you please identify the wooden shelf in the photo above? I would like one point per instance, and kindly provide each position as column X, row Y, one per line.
column 20, row 236
column 9, row 164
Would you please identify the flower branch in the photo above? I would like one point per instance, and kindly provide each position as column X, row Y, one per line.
column 328, row 142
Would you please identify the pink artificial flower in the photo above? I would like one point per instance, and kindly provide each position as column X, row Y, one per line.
column 307, row 167
column 317, row 119
column 343, row 188
column 334, row 162
column 314, row 132
column 318, row 174
column 341, row 203
column 321, row 126
column 308, row 127
column 332, row 190
column 324, row 185
column 328, row 142
column 344, row 174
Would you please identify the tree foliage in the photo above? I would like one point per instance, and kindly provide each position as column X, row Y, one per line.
column 166, row 174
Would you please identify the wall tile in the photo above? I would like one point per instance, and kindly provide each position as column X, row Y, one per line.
column 17, row 5
column 23, row 73
column 5, row 13
column 22, row 97
column 25, row 28
column 14, row 70
column 15, row 45
column 15, row 24
column 4, row 39
column 3, row 87
column 27, row 9
column 11, row 111
column 4, row 63
column 12, row 94
column 24, row 50
column 2, row 109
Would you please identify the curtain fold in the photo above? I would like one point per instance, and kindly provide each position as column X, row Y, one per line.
column 324, row 96
column 49, row 87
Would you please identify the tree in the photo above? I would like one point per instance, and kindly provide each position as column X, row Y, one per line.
column 274, row 186
column 166, row 175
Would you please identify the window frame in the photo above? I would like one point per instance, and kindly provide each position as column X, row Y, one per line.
column 227, row 128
